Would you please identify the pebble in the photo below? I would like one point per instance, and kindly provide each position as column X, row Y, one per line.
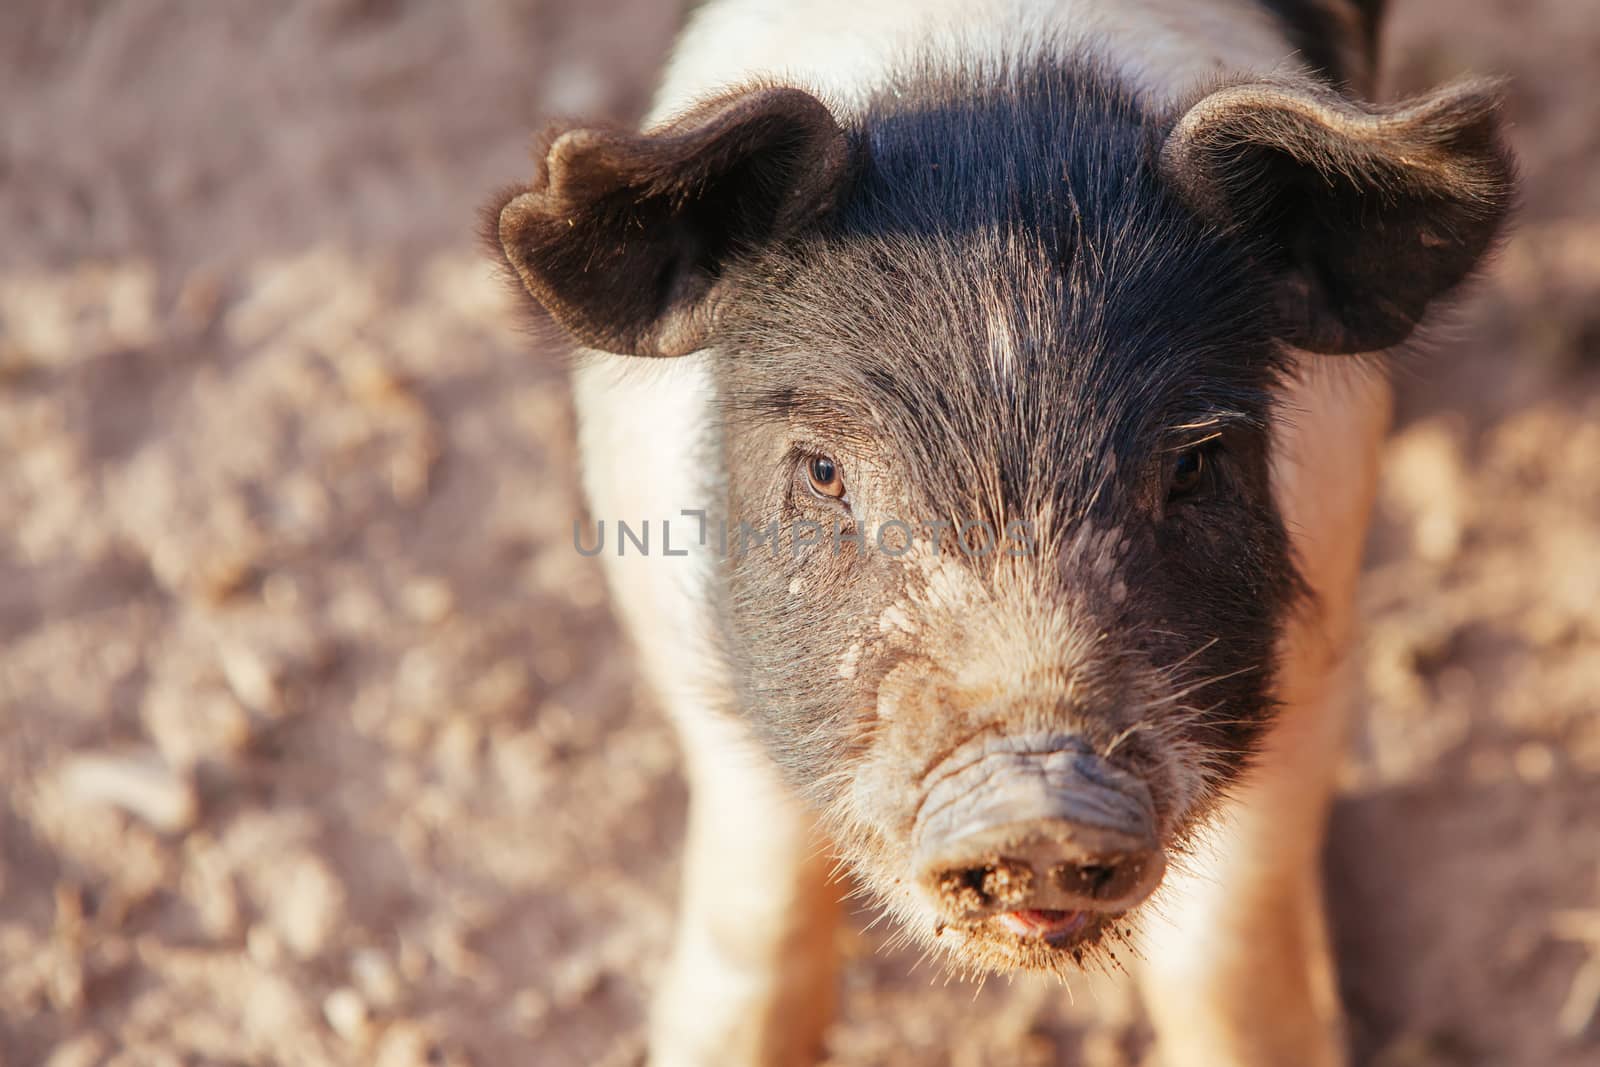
column 428, row 600
column 1535, row 763
column 263, row 946
column 252, row 679
column 140, row 783
column 208, row 885
column 375, row 977
column 348, row 1015
column 221, row 577
column 190, row 725
column 531, row 1008
column 410, row 1044
column 86, row 1051
column 504, row 690
column 1425, row 480
column 308, row 906
column 525, row 765
column 371, row 382
column 457, row 749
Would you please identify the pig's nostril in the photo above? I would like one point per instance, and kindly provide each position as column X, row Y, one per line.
column 1104, row 880
column 1000, row 884
column 963, row 890
column 1090, row 878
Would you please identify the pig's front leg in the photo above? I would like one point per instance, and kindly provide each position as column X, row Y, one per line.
column 1237, row 968
column 750, row 983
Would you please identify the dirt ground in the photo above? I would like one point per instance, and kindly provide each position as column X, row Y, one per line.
column 317, row 744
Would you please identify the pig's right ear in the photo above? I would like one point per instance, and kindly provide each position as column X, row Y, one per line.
column 625, row 238
column 1365, row 214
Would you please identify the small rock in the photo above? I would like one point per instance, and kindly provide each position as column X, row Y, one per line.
column 348, row 1015
column 280, row 591
column 190, row 726
column 554, row 664
column 139, row 783
column 428, row 600
column 252, row 679
column 144, row 1055
column 407, row 733
column 199, row 301
column 525, row 765
column 263, row 946
column 1425, row 481
column 410, row 473
column 371, row 382
column 355, row 610
column 457, row 749
column 1535, row 763
column 504, row 690
column 308, row 906
column 410, row 1044
column 414, row 960
column 575, row 981
column 67, row 983
column 86, row 1051
column 221, row 577
column 69, row 912
column 375, row 976
column 208, row 885
column 531, row 1008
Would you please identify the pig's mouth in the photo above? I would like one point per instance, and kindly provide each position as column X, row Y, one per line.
column 1044, row 940
column 1050, row 925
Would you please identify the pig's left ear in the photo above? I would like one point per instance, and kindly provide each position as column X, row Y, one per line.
column 1368, row 214
column 626, row 238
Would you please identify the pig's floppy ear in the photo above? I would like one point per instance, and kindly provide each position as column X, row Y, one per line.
column 625, row 237
column 1368, row 213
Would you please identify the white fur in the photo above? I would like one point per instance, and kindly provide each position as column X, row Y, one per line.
column 838, row 48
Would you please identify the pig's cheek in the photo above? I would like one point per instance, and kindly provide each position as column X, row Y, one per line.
column 878, row 839
column 883, row 794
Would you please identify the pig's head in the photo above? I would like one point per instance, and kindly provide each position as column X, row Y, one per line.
column 999, row 361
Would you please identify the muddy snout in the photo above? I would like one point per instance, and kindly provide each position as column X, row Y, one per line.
column 1035, row 824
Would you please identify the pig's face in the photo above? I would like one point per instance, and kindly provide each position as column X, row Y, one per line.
column 1058, row 360
column 997, row 364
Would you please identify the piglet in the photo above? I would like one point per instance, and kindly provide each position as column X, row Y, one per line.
column 1004, row 383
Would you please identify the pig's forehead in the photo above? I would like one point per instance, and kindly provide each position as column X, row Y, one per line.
column 1010, row 263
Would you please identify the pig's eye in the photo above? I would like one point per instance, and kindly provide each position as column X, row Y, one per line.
column 825, row 477
column 1187, row 474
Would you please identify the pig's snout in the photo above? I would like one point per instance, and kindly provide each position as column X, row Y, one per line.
column 1037, row 831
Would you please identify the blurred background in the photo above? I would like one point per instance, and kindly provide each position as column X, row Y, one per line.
column 317, row 745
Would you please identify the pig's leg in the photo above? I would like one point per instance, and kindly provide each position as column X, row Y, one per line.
column 750, row 981
column 751, row 977
column 1237, row 967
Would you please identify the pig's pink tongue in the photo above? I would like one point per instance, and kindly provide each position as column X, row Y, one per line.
column 1035, row 922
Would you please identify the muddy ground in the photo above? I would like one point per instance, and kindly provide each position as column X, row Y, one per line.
column 317, row 744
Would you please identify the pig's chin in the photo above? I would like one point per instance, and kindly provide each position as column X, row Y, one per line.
column 1048, row 942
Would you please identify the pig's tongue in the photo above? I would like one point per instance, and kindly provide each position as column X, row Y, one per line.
column 1037, row 922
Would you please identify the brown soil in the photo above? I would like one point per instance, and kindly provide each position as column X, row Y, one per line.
column 318, row 746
